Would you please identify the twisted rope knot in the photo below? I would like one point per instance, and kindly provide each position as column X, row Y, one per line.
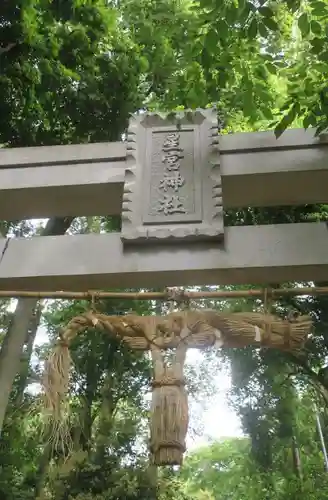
column 154, row 448
column 94, row 295
column 178, row 296
column 167, row 382
column 63, row 342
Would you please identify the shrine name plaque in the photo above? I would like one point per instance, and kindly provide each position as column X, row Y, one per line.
column 172, row 188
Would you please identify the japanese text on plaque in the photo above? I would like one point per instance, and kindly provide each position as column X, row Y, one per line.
column 171, row 203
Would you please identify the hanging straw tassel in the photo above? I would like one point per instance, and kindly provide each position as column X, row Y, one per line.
column 168, row 421
column 56, row 374
column 56, row 377
column 55, row 383
column 55, row 389
column 169, row 409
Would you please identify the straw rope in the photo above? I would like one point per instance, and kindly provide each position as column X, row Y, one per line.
column 169, row 416
column 169, row 409
column 178, row 330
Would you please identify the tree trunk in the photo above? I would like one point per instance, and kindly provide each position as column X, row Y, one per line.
column 86, row 422
column 41, row 472
column 152, row 473
column 26, row 358
column 12, row 347
column 107, row 409
column 297, row 466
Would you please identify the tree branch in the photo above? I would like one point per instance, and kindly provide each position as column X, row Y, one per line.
column 10, row 46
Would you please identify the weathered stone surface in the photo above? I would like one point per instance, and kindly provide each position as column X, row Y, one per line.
column 250, row 254
column 89, row 179
column 61, row 155
column 172, row 189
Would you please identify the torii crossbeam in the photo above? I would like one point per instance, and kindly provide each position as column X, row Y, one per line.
column 170, row 182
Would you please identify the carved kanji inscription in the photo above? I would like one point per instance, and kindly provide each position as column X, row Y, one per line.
column 172, row 188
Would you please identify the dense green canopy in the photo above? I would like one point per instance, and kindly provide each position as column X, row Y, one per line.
column 72, row 71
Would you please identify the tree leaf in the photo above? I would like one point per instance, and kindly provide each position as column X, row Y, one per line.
column 211, row 40
column 261, row 73
column 317, row 45
column 304, row 24
column 308, row 86
column 321, row 128
column 316, row 27
column 293, row 5
column 222, row 29
column 245, row 11
column 223, row 78
column 324, row 56
column 266, row 11
column 319, row 9
column 231, row 15
column 309, row 120
column 251, row 6
column 248, row 99
column 267, row 113
column 253, row 29
column 286, row 105
column 286, row 120
column 270, row 23
column 271, row 68
column 241, row 4
column 263, row 30
column 263, row 95
column 280, row 128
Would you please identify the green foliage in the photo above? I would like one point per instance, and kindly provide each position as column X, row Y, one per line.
column 70, row 63
column 225, row 470
column 72, row 71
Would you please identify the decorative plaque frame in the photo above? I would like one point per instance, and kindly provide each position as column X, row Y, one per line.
column 172, row 189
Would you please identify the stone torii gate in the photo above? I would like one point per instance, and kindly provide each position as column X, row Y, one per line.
column 170, row 184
